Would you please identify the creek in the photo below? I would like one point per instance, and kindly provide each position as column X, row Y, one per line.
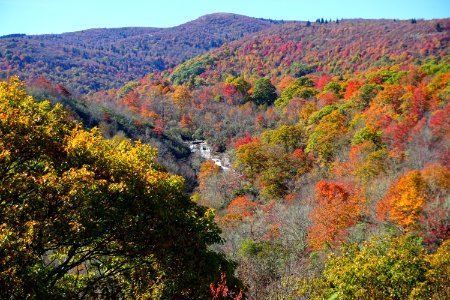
column 204, row 150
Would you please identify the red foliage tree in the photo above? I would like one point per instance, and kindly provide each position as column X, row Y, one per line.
column 322, row 81
column 159, row 127
column 337, row 208
column 440, row 123
column 260, row 121
column 419, row 102
column 244, row 140
column 229, row 90
column 352, row 87
column 222, row 291
column 327, row 99
column 63, row 91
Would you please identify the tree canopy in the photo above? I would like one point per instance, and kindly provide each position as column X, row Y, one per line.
column 264, row 92
column 86, row 217
column 389, row 268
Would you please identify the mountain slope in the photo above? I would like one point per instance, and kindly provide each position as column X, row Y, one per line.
column 112, row 57
column 297, row 49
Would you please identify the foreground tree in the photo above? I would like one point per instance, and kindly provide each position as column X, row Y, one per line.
column 83, row 217
column 389, row 268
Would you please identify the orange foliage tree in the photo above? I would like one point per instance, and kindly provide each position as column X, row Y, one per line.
column 186, row 121
column 243, row 206
column 131, row 100
column 181, row 97
column 404, row 200
column 336, row 209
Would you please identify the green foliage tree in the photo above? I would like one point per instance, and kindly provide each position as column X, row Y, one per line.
column 191, row 68
column 298, row 69
column 303, row 87
column 83, row 217
column 323, row 142
column 270, row 163
column 128, row 87
column 264, row 92
column 333, row 87
column 278, row 170
column 241, row 84
column 318, row 115
column 388, row 268
column 251, row 157
column 367, row 134
column 366, row 93
column 289, row 136
column 383, row 267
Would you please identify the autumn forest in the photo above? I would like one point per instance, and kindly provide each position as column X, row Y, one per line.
column 227, row 158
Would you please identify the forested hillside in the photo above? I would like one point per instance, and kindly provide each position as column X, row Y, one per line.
column 338, row 138
column 330, row 165
column 96, row 59
column 336, row 47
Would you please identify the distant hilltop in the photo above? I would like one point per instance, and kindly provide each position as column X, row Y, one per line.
column 115, row 56
column 13, row 35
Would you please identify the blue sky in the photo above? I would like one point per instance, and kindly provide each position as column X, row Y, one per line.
column 57, row 16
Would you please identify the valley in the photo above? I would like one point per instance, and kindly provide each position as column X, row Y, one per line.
column 228, row 158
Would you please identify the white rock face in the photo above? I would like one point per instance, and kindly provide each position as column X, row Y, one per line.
column 202, row 148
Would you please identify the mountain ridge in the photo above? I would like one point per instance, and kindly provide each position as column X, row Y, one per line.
column 300, row 48
column 114, row 56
